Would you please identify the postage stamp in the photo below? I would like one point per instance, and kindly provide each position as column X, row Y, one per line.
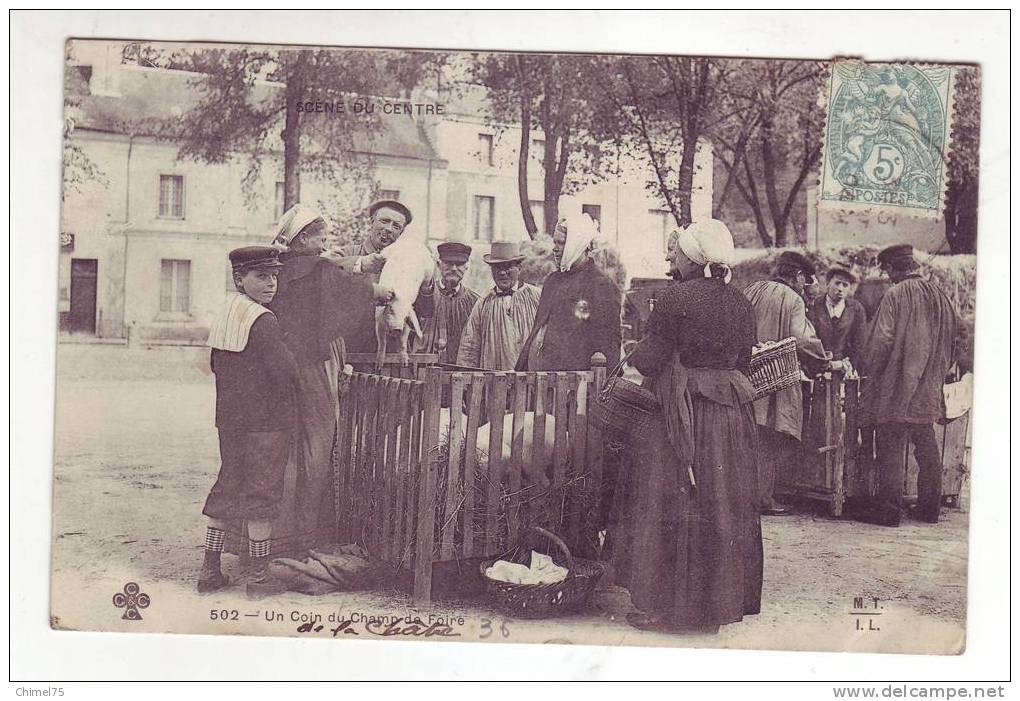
column 887, row 137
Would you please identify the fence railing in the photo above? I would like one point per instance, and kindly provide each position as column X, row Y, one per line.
column 419, row 482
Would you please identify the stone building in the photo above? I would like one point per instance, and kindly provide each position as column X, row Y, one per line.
column 143, row 255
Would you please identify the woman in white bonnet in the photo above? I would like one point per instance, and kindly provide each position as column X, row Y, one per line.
column 579, row 310
column 687, row 534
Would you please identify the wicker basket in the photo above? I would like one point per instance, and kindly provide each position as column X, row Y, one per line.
column 775, row 367
column 544, row 600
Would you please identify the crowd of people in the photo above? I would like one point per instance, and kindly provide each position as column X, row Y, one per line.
column 685, row 527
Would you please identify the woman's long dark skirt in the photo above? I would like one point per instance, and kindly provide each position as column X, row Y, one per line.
column 692, row 555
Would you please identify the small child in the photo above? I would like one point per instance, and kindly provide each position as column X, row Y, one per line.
column 255, row 415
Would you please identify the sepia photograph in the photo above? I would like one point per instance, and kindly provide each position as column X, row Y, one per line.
column 555, row 347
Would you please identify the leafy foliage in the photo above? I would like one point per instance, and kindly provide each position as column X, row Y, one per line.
column 962, row 189
column 247, row 105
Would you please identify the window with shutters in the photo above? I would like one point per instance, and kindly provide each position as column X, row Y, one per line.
column 538, row 212
column 171, row 197
column 485, row 149
column 280, row 197
column 663, row 218
column 484, row 217
column 175, row 286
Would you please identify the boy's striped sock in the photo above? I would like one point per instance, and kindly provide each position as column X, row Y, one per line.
column 214, row 539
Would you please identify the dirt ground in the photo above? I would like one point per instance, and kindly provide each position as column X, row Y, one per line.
column 136, row 454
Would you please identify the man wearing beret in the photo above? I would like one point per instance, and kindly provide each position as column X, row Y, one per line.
column 780, row 313
column 840, row 320
column 453, row 303
column 387, row 221
column 907, row 356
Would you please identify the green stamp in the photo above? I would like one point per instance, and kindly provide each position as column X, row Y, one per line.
column 887, row 137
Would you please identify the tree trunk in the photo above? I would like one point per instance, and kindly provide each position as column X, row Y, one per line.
column 769, row 175
column 751, row 195
column 738, row 155
column 522, row 167
column 292, row 133
column 551, row 206
column 685, row 182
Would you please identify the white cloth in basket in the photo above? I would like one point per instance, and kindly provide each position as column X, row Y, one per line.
column 542, row 571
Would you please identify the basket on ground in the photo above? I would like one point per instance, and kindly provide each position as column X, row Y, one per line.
column 544, row 600
column 775, row 367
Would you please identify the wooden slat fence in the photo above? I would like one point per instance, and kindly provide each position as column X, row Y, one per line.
column 419, row 483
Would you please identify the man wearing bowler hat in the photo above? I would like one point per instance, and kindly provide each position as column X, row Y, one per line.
column 501, row 320
column 780, row 313
column 907, row 356
column 388, row 219
column 454, row 302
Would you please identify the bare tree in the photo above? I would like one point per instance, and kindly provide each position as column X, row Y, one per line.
column 770, row 139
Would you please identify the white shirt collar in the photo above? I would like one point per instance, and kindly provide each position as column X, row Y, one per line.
column 835, row 310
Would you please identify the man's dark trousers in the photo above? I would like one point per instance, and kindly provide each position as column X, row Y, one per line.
column 891, row 447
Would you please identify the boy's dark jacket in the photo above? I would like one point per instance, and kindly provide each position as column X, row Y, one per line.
column 255, row 389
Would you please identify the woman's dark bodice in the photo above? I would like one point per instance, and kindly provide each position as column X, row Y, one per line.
column 707, row 323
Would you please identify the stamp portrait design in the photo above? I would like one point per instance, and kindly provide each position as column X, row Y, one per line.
column 887, row 136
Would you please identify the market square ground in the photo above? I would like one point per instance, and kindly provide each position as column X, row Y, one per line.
column 136, row 454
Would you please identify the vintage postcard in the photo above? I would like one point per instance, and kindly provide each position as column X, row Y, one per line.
column 654, row 350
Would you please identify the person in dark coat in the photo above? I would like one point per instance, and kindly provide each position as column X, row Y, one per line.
column 907, row 356
column 453, row 303
column 318, row 305
column 840, row 320
column 256, row 380
column 579, row 310
column 686, row 533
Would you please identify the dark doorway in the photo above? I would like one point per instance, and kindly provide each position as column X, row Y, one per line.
column 82, row 316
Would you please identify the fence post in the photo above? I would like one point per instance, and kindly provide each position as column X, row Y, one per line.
column 598, row 367
column 426, row 516
column 596, row 445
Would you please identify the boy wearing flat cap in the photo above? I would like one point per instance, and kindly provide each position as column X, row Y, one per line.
column 454, row 302
column 839, row 319
column 255, row 415
column 780, row 312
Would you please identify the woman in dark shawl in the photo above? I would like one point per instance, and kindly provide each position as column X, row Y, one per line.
column 687, row 538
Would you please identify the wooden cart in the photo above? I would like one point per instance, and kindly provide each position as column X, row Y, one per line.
column 837, row 459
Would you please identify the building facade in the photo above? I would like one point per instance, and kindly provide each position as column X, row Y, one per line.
column 143, row 254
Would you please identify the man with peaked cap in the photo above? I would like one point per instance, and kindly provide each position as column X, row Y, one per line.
column 319, row 305
column 780, row 313
column 907, row 356
column 840, row 320
column 454, row 302
column 256, row 379
column 501, row 320
column 387, row 221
